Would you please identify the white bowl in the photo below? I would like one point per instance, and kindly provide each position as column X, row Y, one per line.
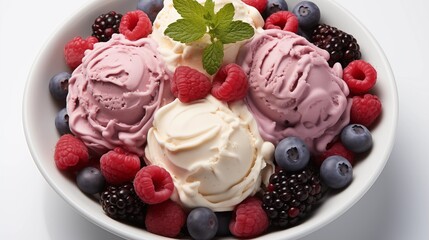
column 39, row 111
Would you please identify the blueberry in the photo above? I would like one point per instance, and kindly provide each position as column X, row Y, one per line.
column 274, row 6
column 336, row 172
column 150, row 7
column 292, row 154
column 308, row 14
column 90, row 180
column 356, row 138
column 62, row 122
column 223, row 219
column 304, row 33
column 58, row 86
column 202, row 223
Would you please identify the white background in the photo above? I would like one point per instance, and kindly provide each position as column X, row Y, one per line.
column 395, row 208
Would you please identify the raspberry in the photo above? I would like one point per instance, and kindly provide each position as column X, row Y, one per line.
column 165, row 219
column 75, row 49
column 153, row 184
column 230, row 83
column 119, row 166
column 360, row 76
column 249, row 219
column 365, row 109
column 260, row 5
column 337, row 148
column 283, row 20
column 189, row 84
column 70, row 153
column 135, row 25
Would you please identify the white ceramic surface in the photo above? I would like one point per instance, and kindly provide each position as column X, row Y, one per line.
column 39, row 110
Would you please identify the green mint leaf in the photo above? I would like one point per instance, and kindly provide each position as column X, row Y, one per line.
column 224, row 16
column 234, row 32
column 209, row 6
column 213, row 57
column 186, row 30
column 189, row 9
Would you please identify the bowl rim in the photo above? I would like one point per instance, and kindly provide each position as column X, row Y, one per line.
column 116, row 228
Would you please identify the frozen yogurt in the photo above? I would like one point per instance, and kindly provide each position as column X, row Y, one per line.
column 178, row 54
column 212, row 150
column 292, row 89
column 114, row 93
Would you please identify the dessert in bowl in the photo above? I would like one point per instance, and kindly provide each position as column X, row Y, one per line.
column 245, row 120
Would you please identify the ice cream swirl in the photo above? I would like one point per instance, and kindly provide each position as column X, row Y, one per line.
column 114, row 93
column 293, row 91
column 212, row 150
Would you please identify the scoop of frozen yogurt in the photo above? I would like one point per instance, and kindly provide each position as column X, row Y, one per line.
column 114, row 93
column 212, row 150
column 292, row 89
column 178, row 54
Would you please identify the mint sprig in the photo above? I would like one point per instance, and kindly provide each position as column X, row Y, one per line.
column 186, row 30
column 212, row 57
column 198, row 20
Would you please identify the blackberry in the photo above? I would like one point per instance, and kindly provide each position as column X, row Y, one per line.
column 105, row 25
column 122, row 203
column 291, row 196
column 342, row 47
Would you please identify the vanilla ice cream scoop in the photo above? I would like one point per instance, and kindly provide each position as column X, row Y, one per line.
column 114, row 93
column 178, row 54
column 212, row 150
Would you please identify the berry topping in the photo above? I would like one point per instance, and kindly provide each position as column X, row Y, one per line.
column 59, row 86
column 336, row 172
column 336, row 148
column 230, row 83
column 292, row 197
column 223, row 219
column 106, row 25
column 165, row 219
column 274, row 6
column 260, row 5
column 305, row 35
column 135, row 25
column 90, row 180
column 189, row 84
column 292, row 154
column 249, row 219
column 202, row 223
column 283, row 20
column 357, row 138
column 75, row 49
column 365, row 109
column 153, row 184
column 360, row 76
column 151, row 8
column 121, row 203
column 342, row 47
column 62, row 122
column 119, row 166
column 70, row 153
column 308, row 14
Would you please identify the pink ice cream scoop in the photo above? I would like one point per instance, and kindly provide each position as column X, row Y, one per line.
column 114, row 93
column 293, row 91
